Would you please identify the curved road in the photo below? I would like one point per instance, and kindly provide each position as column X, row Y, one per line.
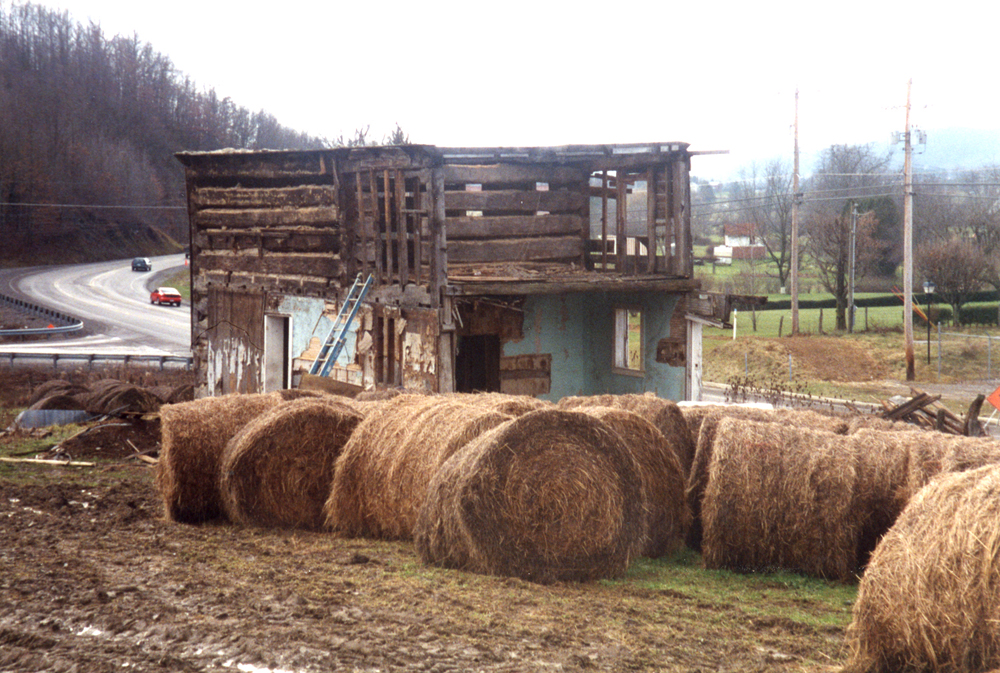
column 113, row 303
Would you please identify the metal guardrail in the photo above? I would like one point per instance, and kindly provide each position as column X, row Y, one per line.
column 72, row 324
column 92, row 359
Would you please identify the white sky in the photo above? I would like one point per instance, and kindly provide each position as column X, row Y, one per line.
column 720, row 75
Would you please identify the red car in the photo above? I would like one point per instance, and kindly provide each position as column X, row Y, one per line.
column 165, row 295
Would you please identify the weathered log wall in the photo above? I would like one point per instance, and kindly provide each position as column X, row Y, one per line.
column 510, row 213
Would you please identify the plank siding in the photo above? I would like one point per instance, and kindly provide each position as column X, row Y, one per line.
column 235, row 341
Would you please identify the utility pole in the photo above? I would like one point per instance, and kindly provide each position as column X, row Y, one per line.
column 854, row 246
column 795, row 224
column 908, row 241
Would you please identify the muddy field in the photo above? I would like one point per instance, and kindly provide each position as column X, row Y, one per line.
column 94, row 578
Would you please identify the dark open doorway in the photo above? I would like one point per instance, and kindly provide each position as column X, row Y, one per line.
column 477, row 364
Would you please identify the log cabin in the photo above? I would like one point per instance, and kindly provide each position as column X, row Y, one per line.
column 544, row 271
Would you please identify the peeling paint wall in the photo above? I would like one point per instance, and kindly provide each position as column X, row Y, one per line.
column 577, row 331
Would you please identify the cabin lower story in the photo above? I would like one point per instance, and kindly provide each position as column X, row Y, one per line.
column 539, row 344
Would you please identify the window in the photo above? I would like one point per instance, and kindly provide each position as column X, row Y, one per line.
column 628, row 341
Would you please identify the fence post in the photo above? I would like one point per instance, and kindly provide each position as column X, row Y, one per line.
column 939, row 348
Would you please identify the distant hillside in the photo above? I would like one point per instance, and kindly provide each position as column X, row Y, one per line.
column 957, row 149
column 88, row 129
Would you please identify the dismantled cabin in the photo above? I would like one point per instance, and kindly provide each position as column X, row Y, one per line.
column 548, row 271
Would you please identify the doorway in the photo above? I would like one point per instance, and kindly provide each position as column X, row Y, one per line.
column 477, row 364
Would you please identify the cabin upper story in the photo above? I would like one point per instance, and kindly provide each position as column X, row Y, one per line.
column 429, row 222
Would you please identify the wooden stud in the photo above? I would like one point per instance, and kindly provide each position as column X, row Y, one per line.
column 402, row 240
column 621, row 216
column 651, row 220
column 604, row 220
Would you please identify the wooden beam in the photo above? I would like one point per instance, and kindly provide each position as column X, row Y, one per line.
column 304, row 264
column 470, row 287
column 514, row 226
column 257, row 218
column 511, row 200
column 402, row 234
column 304, row 196
column 514, row 175
column 515, row 250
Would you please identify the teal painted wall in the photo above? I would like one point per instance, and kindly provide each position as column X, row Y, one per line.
column 578, row 331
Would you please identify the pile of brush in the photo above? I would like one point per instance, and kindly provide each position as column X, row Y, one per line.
column 489, row 483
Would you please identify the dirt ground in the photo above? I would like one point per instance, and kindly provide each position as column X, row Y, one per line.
column 93, row 577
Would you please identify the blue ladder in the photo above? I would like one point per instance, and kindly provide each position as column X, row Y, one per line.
column 338, row 333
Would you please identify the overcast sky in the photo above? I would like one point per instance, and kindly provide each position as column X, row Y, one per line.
column 720, row 75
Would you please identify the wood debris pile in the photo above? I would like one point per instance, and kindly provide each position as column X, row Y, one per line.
column 926, row 411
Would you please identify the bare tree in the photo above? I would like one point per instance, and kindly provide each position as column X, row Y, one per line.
column 958, row 267
column 765, row 200
column 845, row 175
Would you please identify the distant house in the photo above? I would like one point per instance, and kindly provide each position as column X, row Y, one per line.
column 547, row 271
column 741, row 242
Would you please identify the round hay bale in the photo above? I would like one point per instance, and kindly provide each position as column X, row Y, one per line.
column 870, row 422
column 552, row 495
column 512, row 405
column 929, row 600
column 383, row 472
column 665, row 512
column 382, row 394
column 276, row 472
column 698, row 475
column 882, row 488
column 57, row 401
column 182, row 393
column 54, row 387
column 194, row 435
column 121, row 397
column 664, row 414
column 779, row 497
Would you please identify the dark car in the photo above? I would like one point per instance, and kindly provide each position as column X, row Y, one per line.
column 142, row 264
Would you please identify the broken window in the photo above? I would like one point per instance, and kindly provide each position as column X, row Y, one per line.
column 628, row 341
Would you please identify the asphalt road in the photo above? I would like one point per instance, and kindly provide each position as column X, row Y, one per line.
column 113, row 303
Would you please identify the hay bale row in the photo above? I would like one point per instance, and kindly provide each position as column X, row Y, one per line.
column 929, row 599
column 707, row 419
column 385, row 468
column 277, row 471
column 551, row 495
column 665, row 512
column 193, row 438
column 780, row 497
column 105, row 396
column 777, row 495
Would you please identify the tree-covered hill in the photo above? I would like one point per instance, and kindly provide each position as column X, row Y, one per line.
column 88, row 128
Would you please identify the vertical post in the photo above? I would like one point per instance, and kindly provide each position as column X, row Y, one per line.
column 735, row 314
column 908, row 241
column 939, row 348
column 928, row 330
column 854, row 245
column 795, row 225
